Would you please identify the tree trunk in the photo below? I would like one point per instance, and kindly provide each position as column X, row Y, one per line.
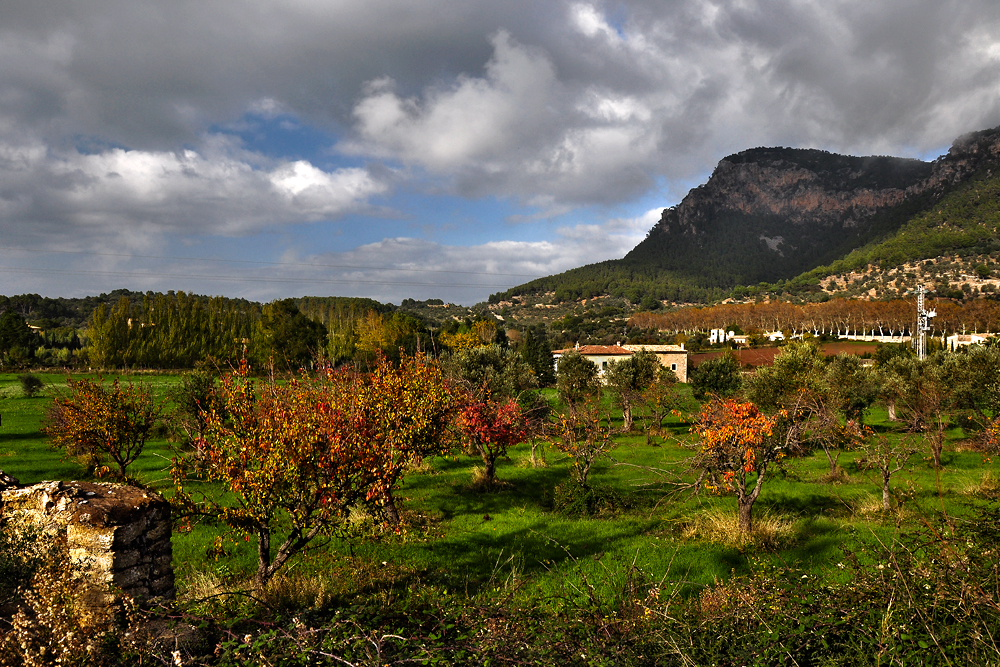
column 626, row 415
column 892, row 411
column 745, row 515
column 937, row 444
column 489, row 470
column 389, row 509
column 885, row 491
column 263, row 558
column 832, row 460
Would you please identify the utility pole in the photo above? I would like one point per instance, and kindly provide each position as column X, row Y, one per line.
column 923, row 322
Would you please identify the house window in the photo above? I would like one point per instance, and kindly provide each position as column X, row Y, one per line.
column 673, row 367
column 604, row 365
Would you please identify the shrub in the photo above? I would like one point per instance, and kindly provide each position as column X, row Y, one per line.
column 31, row 385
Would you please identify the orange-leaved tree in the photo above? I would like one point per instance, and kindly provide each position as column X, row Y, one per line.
column 103, row 424
column 737, row 444
column 405, row 409
column 296, row 457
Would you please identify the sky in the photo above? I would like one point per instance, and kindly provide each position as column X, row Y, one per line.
column 446, row 149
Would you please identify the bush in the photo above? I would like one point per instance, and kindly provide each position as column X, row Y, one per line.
column 572, row 499
column 31, row 385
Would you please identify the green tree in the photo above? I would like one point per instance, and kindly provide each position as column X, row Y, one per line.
column 537, row 352
column 628, row 378
column 31, row 385
column 17, row 342
column 491, row 370
column 576, row 378
column 717, row 377
column 290, row 336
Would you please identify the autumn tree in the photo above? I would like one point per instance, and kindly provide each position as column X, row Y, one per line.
column 628, row 378
column 489, row 426
column 405, row 409
column 295, row 457
column 584, row 436
column 737, row 444
column 103, row 424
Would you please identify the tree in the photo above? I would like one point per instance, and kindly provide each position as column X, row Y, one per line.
column 974, row 378
column 852, row 387
column 489, row 427
column 16, row 338
column 738, row 443
column 885, row 456
column 717, row 377
column 296, row 457
column 576, row 378
column 628, row 378
column 920, row 391
column 798, row 382
column 660, row 399
column 538, row 354
column 291, row 336
column 584, row 436
column 102, row 424
column 406, row 408
column 31, row 385
column 194, row 400
column 497, row 371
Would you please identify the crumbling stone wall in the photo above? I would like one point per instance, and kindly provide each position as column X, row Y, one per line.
column 121, row 534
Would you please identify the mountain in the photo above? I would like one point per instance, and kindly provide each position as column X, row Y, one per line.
column 776, row 215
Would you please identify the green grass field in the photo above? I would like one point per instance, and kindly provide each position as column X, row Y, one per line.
column 467, row 540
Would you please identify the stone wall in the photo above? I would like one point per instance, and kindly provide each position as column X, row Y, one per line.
column 121, row 534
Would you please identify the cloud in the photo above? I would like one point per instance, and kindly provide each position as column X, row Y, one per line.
column 117, row 119
column 135, row 196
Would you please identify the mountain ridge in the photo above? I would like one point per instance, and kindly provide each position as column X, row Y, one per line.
column 775, row 215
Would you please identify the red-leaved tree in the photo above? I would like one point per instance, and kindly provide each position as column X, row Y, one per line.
column 488, row 428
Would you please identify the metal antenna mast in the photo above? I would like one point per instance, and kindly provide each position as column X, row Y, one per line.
column 923, row 322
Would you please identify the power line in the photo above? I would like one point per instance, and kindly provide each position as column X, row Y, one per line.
column 247, row 279
column 266, row 263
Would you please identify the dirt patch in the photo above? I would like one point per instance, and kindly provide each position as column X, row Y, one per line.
column 764, row 356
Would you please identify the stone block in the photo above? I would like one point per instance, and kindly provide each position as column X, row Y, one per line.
column 121, row 533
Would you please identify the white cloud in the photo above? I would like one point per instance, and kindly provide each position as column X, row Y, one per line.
column 477, row 120
column 121, row 192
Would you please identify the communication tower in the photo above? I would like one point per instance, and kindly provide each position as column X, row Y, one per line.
column 923, row 322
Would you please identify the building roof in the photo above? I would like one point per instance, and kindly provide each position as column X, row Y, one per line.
column 595, row 349
column 655, row 348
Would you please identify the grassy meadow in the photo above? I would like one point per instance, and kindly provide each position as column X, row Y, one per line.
column 511, row 546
